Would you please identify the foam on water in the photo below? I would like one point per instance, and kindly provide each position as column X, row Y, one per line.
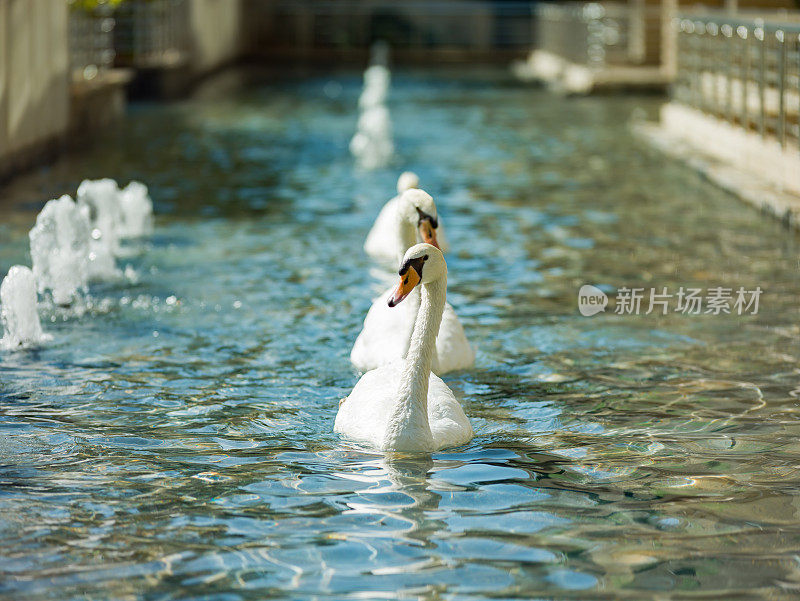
column 99, row 199
column 376, row 87
column 60, row 250
column 373, row 145
column 21, row 326
column 377, row 75
column 372, row 96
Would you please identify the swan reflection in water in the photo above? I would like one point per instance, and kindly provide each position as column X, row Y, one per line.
column 401, row 491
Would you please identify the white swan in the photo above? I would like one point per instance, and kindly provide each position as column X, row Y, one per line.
column 386, row 333
column 403, row 406
column 383, row 242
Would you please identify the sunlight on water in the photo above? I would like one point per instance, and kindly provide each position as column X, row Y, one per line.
column 175, row 442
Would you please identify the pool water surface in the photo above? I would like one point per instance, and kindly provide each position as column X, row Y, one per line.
column 176, row 441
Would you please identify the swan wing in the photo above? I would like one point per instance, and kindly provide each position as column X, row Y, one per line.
column 364, row 413
column 452, row 347
column 449, row 424
column 385, row 335
column 387, row 330
column 383, row 242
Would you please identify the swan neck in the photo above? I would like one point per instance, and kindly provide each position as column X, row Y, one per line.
column 409, row 428
column 415, row 301
column 422, row 347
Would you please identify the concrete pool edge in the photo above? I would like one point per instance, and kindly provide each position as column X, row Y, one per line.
column 746, row 185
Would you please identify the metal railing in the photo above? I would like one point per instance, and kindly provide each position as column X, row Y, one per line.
column 152, row 33
column 743, row 70
column 91, row 40
column 586, row 33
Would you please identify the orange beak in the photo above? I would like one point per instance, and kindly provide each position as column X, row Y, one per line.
column 407, row 283
column 428, row 233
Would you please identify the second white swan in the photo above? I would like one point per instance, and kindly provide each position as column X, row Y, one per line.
column 387, row 332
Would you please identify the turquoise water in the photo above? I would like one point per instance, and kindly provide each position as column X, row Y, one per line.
column 176, row 442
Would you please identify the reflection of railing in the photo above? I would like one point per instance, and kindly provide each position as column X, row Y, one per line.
column 743, row 70
column 91, row 40
column 585, row 33
column 465, row 25
column 152, row 32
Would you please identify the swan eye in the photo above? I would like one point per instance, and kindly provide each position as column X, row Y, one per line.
column 425, row 258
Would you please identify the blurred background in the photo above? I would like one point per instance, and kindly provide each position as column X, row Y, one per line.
column 67, row 68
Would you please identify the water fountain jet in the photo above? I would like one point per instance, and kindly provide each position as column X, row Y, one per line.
column 21, row 325
column 373, row 145
column 99, row 199
column 60, row 251
column 136, row 211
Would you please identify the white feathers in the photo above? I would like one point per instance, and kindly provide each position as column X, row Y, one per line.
column 401, row 405
column 365, row 414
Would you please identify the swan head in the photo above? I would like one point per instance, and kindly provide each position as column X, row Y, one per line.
column 406, row 181
column 417, row 208
column 422, row 264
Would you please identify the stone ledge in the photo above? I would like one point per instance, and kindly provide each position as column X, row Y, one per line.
column 97, row 102
column 105, row 79
column 749, row 185
column 572, row 78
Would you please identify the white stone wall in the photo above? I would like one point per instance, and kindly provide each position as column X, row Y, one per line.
column 34, row 67
column 34, row 74
column 215, row 28
column 4, row 45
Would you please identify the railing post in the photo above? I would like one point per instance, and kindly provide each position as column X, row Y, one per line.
column 743, row 33
column 762, row 64
column 727, row 31
column 697, row 66
column 681, row 87
column 722, row 67
column 781, row 36
column 711, row 52
column 594, row 16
